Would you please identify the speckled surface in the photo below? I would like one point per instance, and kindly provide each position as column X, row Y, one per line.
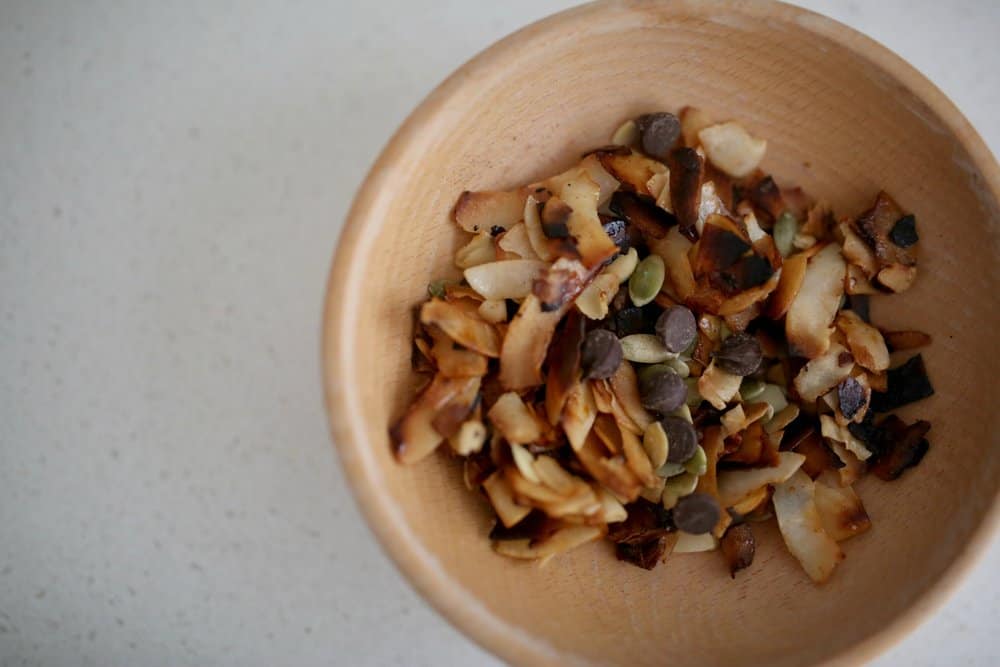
column 172, row 179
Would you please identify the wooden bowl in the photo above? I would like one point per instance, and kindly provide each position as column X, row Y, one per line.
column 844, row 117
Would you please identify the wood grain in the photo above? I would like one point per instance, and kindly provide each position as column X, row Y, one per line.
column 844, row 117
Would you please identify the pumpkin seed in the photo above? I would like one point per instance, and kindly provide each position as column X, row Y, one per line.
column 436, row 288
column 654, row 441
column 646, row 280
column 626, row 135
column 785, row 229
column 694, row 399
column 678, row 487
column 670, row 469
column 750, row 389
column 697, row 464
column 646, row 349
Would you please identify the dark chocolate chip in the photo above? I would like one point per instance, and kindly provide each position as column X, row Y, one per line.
column 904, row 232
column 851, row 395
column 739, row 354
column 697, row 513
column 658, row 133
column 682, row 440
column 662, row 392
column 905, row 384
column 677, row 328
column 601, row 354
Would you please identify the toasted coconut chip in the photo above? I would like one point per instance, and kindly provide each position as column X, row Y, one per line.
column 479, row 250
column 511, row 417
column 840, row 509
column 802, row 528
column 581, row 504
column 554, row 476
column 625, row 386
column 606, row 183
column 525, row 463
column 636, row 458
column 533, row 225
column 723, row 242
column 901, row 447
column 823, row 373
column 564, row 539
column 855, row 282
column 717, row 386
column 579, row 413
column 782, row 418
column 603, row 398
column 878, row 381
column 606, row 429
column 482, row 211
column 673, row 249
column 853, row 466
column 875, row 226
column 452, row 361
column 714, row 445
column 749, row 447
column 647, row 554
column 710, row 204
column 898, row 341
column 502, row 498
column 633, row 170
column 833, row 431
column 897, row 277
column 627, row 135
column 493, row 311
column 654, row 493
column 645, row 521
column 818, row 456
column 864, row 340
column 791, row 278
column 560, row 283
column 515, row 240
column 752, row 501
column 732, row 149
column 741, row 416
column 903, row 385
column 807, row 323
column 527, row 492
column 526, row 344
column 687, row 171
column 563, row 365
column 612, row 511
column 414, row 436
column 469, row 439
column 738, row 548
column 612, row 473
column 856, row 251
column 465, row 329
column 746, row 300
column 735, row 486
column 476, row 468
column 689, row 544
column 693, row 121
column 642, row 211
column 594, row 300
column 765, row 195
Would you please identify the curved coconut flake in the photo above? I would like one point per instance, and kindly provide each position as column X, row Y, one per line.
column 807, row 324
column 802, row 528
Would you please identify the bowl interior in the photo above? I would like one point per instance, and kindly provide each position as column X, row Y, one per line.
column 841, row 122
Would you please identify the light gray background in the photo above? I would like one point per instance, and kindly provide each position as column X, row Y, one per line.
column 172, row 180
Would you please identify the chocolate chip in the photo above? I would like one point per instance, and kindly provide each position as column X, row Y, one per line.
column 697, row 513
column 630, row 320
column 677, row 328
column 906, row 384
column 658, row 133
column 601, row 354
column 682, row 440
column 739, row 354
column 662, row 392
column 851, row 395
column 904, row 232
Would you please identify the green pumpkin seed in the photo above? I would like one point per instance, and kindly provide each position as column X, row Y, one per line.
column 697, row 464
column 646, row 280
column 436, row 288
column 678, row 487
column 750, row 389
column 668, row 470
column 693, row 399
column 684, row 412
column 785, row 229
column 654, row 441
column 773, row 396
column 645, row 349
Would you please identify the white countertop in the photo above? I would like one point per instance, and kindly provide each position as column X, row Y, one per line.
column 172, row 180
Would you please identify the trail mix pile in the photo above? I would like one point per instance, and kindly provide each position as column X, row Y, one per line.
column 662, row 347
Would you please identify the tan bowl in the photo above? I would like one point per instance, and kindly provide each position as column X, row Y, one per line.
column 843, row 117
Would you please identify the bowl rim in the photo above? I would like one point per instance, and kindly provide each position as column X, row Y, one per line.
column 462, row 609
